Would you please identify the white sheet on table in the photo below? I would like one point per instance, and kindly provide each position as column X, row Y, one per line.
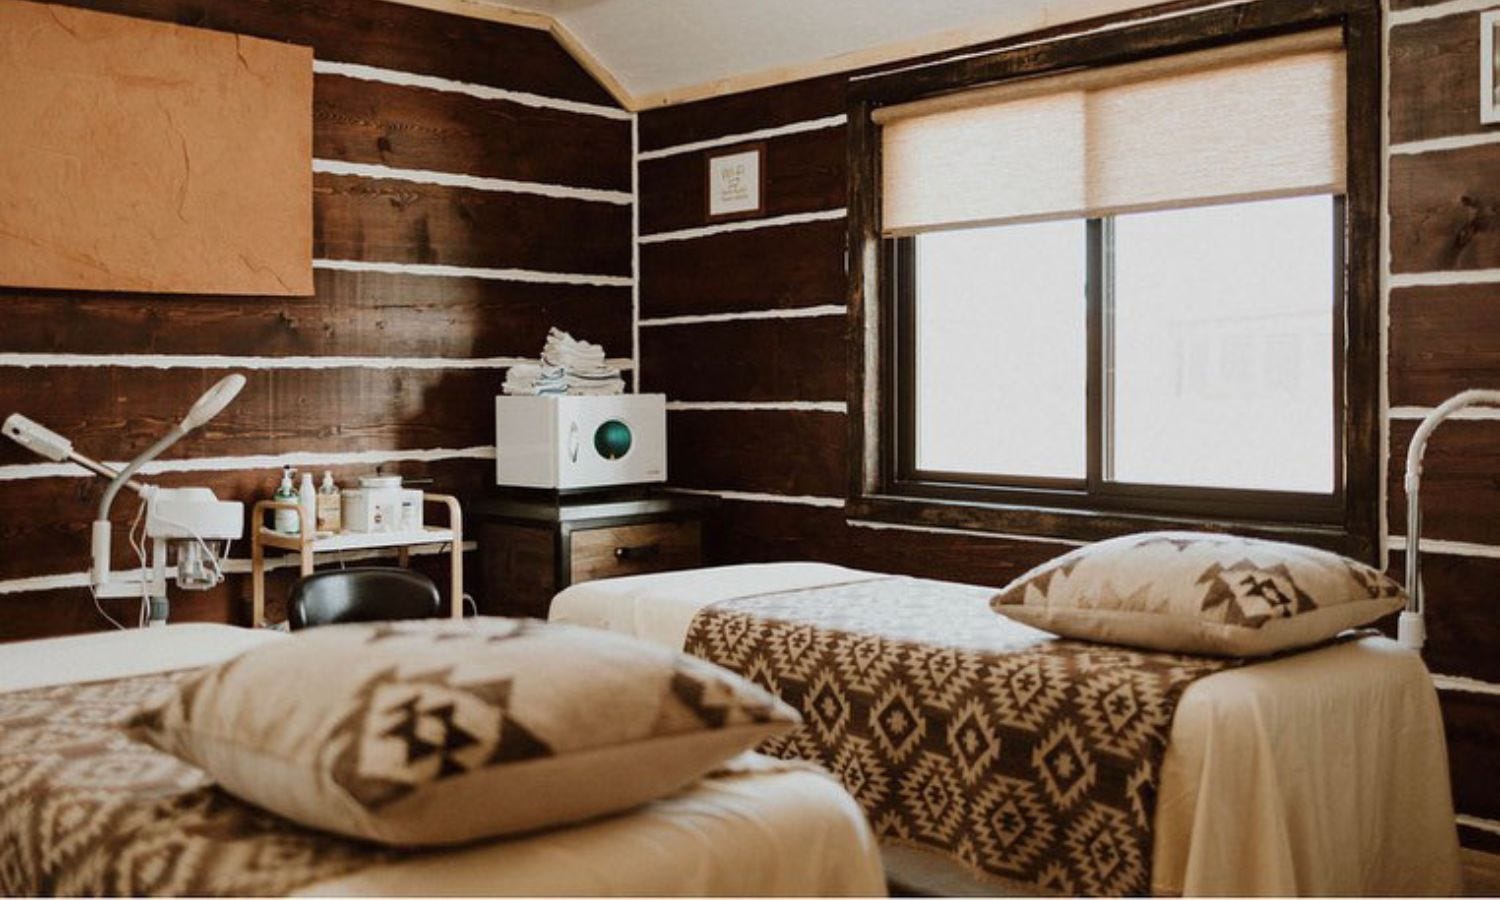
column 778, row 834
column 1324, row 772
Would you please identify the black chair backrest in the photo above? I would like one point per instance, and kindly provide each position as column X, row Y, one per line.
column 369, row 594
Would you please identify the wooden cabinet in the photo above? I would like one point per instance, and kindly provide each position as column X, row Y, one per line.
column 531, row 549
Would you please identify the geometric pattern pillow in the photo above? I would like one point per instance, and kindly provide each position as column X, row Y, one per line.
column 1194, row 592
column 443, row 731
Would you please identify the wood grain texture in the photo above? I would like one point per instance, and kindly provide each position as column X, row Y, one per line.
column 1462, row 594
column 756, row 359
column 1443, row 340
column 390, row 36
column 803, row 173
column 352, row 314
column 51, row 516
column 649, row 547
column 1460, row 482
column 1471, row 723
column 769, row 532
column 415, row 128
column 783, row 104
column 518, row 565
column 48, row 614
column 768, row 451
column 112, row 412
column 1445, row 210
column 765, row 268
column 1435, row 78
column 383, row 220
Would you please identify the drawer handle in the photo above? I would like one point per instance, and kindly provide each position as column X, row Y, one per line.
column 629, row 554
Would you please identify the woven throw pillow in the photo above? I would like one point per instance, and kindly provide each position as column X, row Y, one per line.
column 1189, row 592
column 443, row 731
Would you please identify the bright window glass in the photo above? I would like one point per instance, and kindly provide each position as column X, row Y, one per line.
column 1223, row 346
column 1001, row 353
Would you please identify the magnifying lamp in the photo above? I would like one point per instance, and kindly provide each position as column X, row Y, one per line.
column 185, row 517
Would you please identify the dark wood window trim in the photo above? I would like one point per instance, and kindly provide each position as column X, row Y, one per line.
column 1348, row 522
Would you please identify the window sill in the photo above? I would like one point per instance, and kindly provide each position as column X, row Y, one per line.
column 1081, row 525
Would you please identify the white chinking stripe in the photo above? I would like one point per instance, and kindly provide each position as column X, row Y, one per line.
column 1444, row 279
column 1438, row 11
column 440, row 271
column 269, row 462
column 1465, row 685
column 931, row 529
column 752, row 497
column 1478, row 823
column 803, row 312
column 831, row 406
column 1455, row 142
column 746, row 225
column 481, row 91
column 1473, row 413
column 476, row 182
column 758, row 135
column 1448, row 548
column 214, row 361
column 230, row 566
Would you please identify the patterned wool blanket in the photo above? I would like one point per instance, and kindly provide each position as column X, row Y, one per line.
column 1032, row 760
column 86, row 810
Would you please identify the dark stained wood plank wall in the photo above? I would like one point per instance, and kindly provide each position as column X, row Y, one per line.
column 807, row 169
column 747, row 271
column 352, row 314
column 442, row 131
column 405, row 387
column 1443, row 339
column 385, row 220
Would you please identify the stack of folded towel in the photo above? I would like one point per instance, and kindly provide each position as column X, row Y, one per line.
column 528, row 379
column 568, row 366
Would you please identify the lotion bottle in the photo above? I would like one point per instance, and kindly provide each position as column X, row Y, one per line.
column 285, row 520
column 330, row 506
column 307, row 498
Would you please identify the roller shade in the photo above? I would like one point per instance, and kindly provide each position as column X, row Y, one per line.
column 1251, row 121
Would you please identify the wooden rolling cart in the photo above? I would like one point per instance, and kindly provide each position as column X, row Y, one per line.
column 308, row 545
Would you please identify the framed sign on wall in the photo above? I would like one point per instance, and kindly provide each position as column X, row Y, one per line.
column 1489, row 67
column 736, row 185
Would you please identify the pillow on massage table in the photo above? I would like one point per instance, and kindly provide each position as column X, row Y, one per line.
column 445, row 731
column 1191, row 592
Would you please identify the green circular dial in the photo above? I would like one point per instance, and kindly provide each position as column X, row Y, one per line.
column 612, row 439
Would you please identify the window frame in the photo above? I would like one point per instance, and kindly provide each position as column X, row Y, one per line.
column 1094, row 490
column 881, row 413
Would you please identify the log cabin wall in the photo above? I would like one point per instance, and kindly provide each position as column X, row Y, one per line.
column 743, row 325
column 472, row 186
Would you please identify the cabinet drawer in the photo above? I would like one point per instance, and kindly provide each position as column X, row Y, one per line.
column 634, row 549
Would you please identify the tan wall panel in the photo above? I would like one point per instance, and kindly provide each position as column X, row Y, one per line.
column 151, row 157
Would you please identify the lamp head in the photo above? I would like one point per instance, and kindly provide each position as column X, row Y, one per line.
column 39, row 440
column 213, row 401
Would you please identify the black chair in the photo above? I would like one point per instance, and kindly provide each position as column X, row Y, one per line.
column 369, row 594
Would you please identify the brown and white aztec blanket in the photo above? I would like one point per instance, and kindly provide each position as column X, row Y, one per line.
column 86, row 810
column 1029, row 759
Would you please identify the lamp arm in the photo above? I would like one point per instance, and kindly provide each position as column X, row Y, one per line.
column 99, row 533
column 1411, row 630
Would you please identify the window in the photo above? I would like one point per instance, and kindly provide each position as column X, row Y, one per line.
column 1099, row 296
column 1215, row 330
